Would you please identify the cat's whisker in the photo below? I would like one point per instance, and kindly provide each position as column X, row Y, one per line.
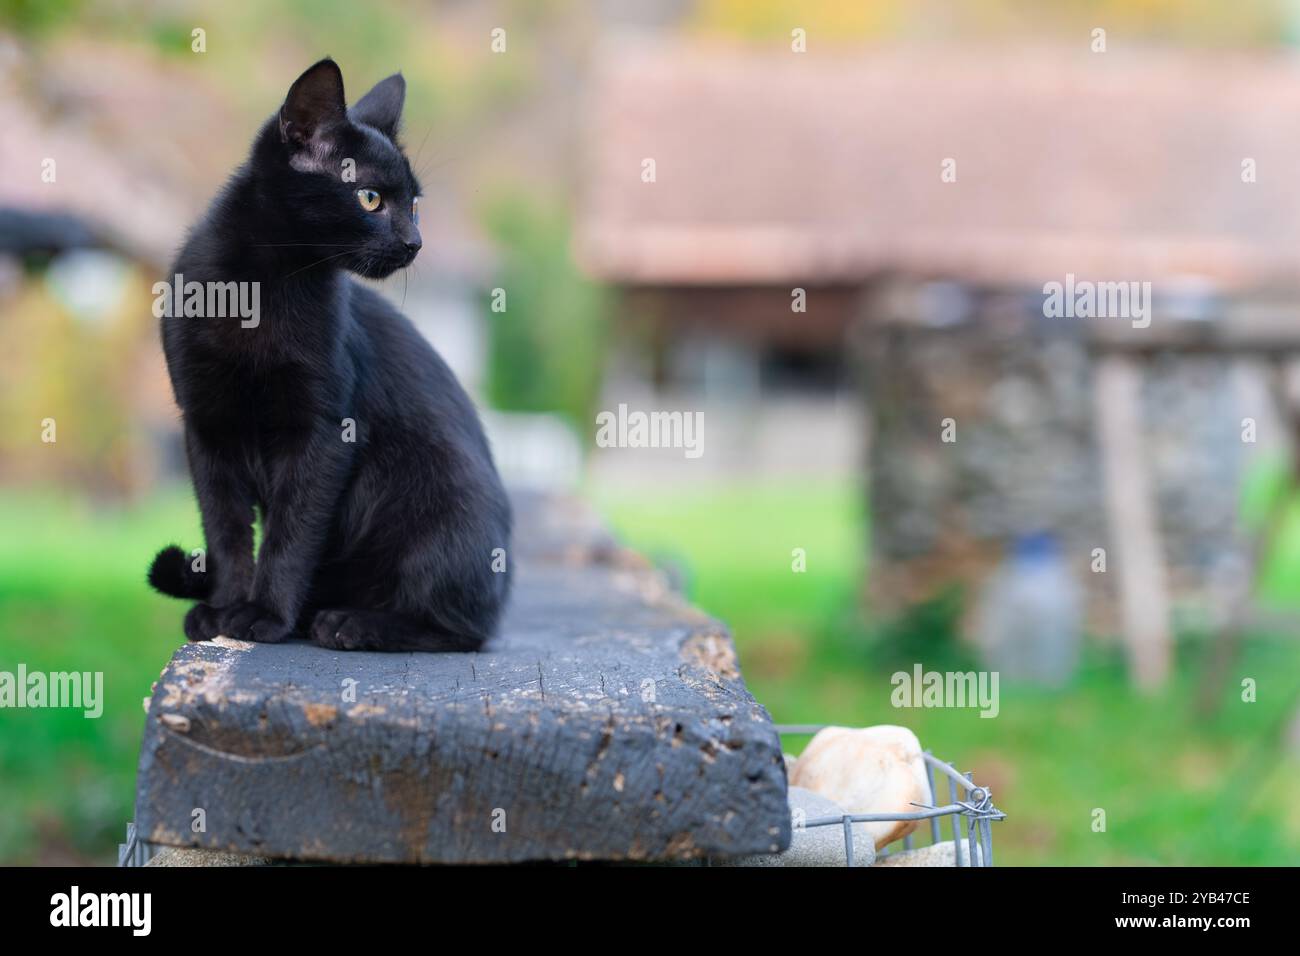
column 319, row 261
column 427, row 170
column 419, row 149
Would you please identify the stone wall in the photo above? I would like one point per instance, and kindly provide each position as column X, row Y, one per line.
column 1019, row 391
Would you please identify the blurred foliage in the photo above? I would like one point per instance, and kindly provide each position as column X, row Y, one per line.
column 845, row 22
column 254, row 51
column 838, row 21
column 1271, row 505
column 85, row 377
column 73, row 598
column 928, row 631
column 29, row 17
column 547, row 345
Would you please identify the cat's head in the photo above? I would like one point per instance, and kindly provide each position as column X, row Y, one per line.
column 348, row 184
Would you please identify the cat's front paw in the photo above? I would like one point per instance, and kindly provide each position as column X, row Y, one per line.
column 202, row 622
column 244, row 621
column 247, row 621
column 342, row 630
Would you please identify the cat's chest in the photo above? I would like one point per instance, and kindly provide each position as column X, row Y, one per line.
column 253, row 404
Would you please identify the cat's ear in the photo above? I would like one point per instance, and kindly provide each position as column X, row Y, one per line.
column 382, row 106
column 315, row 104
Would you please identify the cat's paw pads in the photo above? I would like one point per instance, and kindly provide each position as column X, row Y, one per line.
column 342, row 631
column 247, row 621
column 202, row 622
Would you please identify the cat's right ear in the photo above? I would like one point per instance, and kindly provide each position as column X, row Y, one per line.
column 314, row 105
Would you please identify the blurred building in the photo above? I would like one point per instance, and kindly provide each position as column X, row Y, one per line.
column 94, row 205
column 922, row 198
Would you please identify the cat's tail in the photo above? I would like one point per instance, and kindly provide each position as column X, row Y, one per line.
column 172, row 573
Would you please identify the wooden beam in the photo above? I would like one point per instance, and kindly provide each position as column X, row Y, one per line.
column 1132, row 521
column 608, row 721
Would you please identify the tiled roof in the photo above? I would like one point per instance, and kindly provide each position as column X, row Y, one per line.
column 774, row 166
column 132, row 139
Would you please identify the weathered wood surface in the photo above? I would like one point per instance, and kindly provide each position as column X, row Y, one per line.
column 607, row 722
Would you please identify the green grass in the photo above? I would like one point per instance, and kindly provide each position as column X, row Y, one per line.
column 73, row 597
column 1176, row 789
column 737, row 545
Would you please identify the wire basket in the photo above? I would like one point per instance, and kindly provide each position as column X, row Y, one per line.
column 972, row 817
column 135, row 852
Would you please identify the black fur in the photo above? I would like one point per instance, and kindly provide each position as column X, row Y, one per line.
column 173, row 573
column 383, row 543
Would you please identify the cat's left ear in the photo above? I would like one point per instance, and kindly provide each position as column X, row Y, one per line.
column 382, row 106
column 314, row 105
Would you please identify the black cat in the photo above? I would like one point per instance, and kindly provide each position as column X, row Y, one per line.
column 384, row 522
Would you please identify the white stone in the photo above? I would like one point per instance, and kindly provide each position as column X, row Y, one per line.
column 814, row 846
column 867, row 770
column 937, row 854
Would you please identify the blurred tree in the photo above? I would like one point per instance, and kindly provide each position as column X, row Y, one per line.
column 28, row 17
column 547, row 321
column 82, row 378
column 844, row 22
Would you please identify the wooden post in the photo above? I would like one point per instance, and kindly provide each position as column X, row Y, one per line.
column 1133, row 522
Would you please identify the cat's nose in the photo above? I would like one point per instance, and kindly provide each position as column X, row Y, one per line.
column 413, row 244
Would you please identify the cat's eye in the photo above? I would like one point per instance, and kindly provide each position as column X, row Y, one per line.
column 415, row 211
column 369, row 199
